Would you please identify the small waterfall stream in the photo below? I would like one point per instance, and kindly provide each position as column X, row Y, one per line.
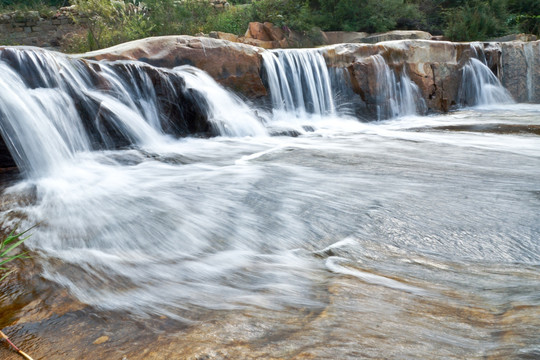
column 395, row 97
column 479, row 86
column 52, row 107
column 299, row 82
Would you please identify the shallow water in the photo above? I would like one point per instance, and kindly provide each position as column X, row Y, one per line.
column 402, row 238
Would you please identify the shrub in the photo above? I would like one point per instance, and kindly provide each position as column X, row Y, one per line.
column 109, row 23
column 477, row 20
column 234, row 20
column 296, row 15
column 365, row 15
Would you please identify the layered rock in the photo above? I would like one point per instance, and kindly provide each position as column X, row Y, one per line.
column 397, row 35
column 434, row 66
column 520, row 70
column 236, row 66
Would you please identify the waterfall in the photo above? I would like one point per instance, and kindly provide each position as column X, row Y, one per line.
column 299, row 82
column 480, row 87
column 53, row 106
column 393, row 97
column 226, row 112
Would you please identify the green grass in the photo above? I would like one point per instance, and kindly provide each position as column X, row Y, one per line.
column 7, row 247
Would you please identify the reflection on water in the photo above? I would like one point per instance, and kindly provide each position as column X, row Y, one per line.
column 404, row 238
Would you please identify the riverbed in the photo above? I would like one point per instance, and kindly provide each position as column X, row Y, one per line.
column 414, row 237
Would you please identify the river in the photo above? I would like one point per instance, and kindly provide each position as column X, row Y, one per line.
column 407, row 237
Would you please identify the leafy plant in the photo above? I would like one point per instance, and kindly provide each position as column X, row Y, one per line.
column 477, row 20
column 296, row 15
column 234, row 20
column 111, row 22
column 7, row 246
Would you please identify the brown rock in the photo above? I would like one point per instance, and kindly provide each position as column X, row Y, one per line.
column 274, row 33
column 234, row 65
column 342, row 37
column 397, row 35
column 257, row 31
column 265, row 44
column 516, row 37
column 226, row 36
column 433, row 66
column 101, row 340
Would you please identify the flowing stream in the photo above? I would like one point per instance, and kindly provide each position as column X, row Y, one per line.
column 410, row 237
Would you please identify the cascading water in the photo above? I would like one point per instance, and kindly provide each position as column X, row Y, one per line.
column 480, row 87
column 395, row 97
column 237, row 120
column 53, row 107
column 370, row 229
column 299, row 82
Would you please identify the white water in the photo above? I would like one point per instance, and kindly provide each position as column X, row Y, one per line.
column 299, row 82
column 395, row 98
column 378, row 227
column 40, row 107
column 226, row 112
column 480, row 87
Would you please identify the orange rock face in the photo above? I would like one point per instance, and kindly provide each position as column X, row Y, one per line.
column 234, row 65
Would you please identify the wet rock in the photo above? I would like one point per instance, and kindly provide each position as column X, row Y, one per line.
column 520, row 73
column 434, row 66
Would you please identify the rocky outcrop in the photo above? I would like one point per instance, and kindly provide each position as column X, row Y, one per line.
column 269, row 36
column 344, row 37
column 397, row 35
column 236, row 66
column 434, row 66
column 520, row 70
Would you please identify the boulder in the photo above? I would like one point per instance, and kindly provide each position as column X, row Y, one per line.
column 265, row 44
column 234, row 65
column 520, row 70
column 256, row 30
column 515, row 37
column 342, row 37
column 223, row 36
column 274, row 33
column 397, row 35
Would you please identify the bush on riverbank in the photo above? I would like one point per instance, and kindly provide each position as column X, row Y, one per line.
column 112, row 22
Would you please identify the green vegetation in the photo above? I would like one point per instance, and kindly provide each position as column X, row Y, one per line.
column 115, row 21
column 31, row 4
column 7, row 246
